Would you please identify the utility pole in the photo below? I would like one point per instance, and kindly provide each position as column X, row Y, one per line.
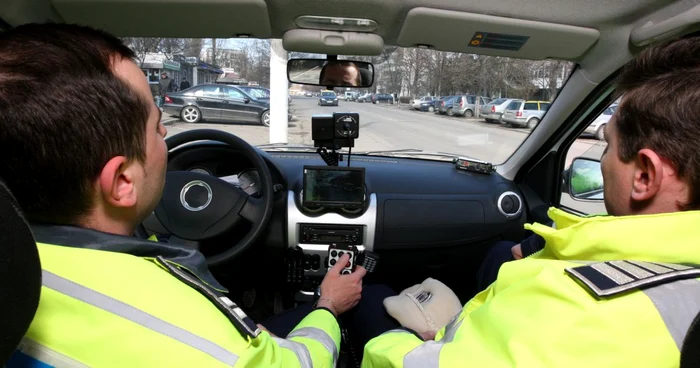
column 279, row 92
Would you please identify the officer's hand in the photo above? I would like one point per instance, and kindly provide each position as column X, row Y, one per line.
column 517, row 252
column 427, row 335
column 265, row 329
column 343, row 291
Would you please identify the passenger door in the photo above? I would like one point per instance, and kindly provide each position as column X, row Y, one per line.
column 209, row 101
column 237, row 105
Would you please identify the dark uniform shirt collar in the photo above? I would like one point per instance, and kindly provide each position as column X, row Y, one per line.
column 71, row 236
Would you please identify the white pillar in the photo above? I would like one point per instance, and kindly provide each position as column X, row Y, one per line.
column 279, row 92
column 195, row 76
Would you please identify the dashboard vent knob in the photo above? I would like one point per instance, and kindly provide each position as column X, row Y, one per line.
column 510, row 204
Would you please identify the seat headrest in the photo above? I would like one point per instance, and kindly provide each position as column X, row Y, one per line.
column 20, row 275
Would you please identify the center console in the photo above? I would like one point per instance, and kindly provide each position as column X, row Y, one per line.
column 312, row 230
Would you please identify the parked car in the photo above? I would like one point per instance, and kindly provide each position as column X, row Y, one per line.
column 429, row 105
column 382, row 97
column 308, row 94
column 367, row 97
column 261, row 93
column 217, row 102
column 525, row 113
column 597, row 127
column 444, row 106
column 465, row 105
column 415, row 104
column 350, row 96
column 493, row 111
column 328, row 98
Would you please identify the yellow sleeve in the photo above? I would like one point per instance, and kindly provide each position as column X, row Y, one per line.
column 319, row 333
column 390, row 348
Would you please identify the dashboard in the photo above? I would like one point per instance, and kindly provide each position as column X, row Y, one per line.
column 421, row 212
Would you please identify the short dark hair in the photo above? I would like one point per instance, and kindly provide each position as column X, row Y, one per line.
column 659, row 109
column 343, row 64
column 64, row 115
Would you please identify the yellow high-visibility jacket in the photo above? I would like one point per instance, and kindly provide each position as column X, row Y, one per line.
column 108, row 309
column 604, row 292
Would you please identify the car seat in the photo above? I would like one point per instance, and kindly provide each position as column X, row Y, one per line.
column 20, row 275
column 690, row 352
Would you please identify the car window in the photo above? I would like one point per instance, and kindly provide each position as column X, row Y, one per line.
column 515, row 105
column 544, row 106
column 327, row 94
column 232, row 93
column 591, row 145
column 498, row 101
column 471, row 100
column 207, row 91
column 530, row 106
column 257, row 92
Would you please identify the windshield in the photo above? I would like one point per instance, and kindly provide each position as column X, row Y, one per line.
column 395, row 119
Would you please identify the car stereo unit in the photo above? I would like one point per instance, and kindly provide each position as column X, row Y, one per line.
column 334, row 187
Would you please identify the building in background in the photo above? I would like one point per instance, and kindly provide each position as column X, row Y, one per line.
column 225, row 58
column 192, row 68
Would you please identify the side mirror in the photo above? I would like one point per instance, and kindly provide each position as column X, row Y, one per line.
column 246, row 100
column 330, row 73
column 585, row 179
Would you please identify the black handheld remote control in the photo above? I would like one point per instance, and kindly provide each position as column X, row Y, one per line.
column 368, row 260
column 335, row 251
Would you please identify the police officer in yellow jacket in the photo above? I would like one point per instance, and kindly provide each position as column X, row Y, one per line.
column 611, row 291
column 83, row 151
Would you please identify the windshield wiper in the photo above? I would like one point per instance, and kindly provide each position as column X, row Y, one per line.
column 411, row 152
column 287, row 147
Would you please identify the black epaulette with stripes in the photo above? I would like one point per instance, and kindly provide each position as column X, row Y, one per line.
column 608, row 279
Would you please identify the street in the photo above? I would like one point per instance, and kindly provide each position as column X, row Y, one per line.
column 392, row 127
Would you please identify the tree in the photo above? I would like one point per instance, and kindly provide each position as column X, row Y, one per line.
column 169, row 47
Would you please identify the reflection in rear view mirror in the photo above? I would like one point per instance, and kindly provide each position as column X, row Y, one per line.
column 330, row 73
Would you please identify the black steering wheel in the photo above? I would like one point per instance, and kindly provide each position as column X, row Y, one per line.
column 197, row 206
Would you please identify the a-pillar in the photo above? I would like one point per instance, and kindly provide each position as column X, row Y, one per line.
column 279, row 92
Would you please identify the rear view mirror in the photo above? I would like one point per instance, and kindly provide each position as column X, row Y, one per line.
column 330, row 73
column 585, row 179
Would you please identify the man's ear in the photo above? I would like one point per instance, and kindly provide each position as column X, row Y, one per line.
column 648, row 175
column 117, row 184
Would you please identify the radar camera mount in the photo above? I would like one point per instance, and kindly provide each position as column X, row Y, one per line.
column 330, row 133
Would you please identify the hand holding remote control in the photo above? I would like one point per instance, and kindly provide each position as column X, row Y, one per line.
column 342, row 291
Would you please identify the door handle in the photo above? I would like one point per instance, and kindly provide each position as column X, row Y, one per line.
column 198, row 99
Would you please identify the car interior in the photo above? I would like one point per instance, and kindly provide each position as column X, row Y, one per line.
column 421, row 217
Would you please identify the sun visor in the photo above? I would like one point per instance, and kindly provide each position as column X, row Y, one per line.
column 332, row 42
column 178, row 19
column 492, row 35
column 667, row 23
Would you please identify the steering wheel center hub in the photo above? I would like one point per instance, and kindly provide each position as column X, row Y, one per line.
column 196, row 195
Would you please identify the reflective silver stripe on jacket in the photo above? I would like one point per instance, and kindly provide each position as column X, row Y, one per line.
column 319, row 335
column 46, row 355
column 299, row 349
column 427, row 354
column 678, row 303
column 133, row 314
